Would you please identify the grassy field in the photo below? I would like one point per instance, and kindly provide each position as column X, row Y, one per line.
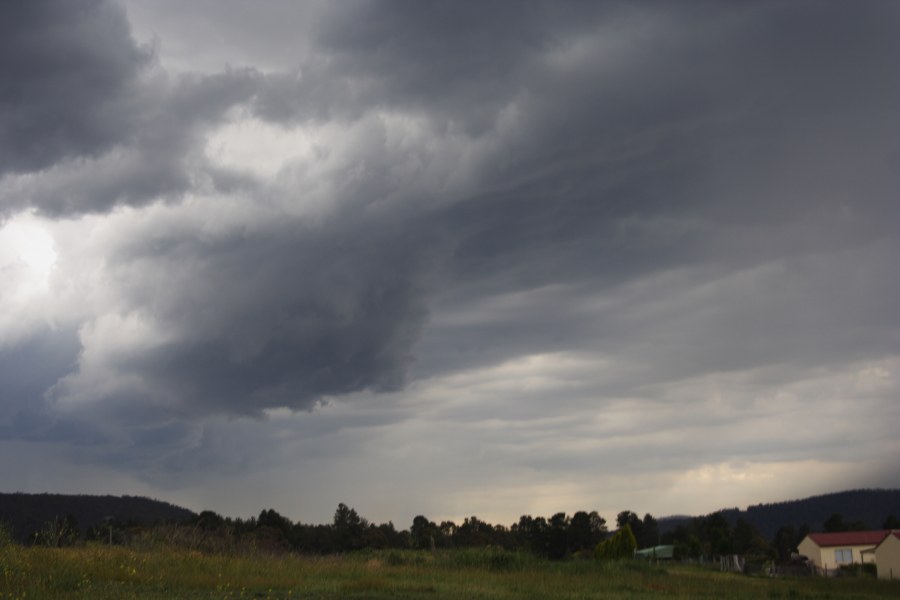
column 113, row 572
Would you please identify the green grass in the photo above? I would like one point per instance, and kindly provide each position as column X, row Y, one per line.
column 102, row 572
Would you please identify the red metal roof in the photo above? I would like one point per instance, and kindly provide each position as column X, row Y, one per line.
column 849, row 538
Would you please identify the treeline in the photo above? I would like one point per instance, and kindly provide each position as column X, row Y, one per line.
column 859, row 510
column 556, row 537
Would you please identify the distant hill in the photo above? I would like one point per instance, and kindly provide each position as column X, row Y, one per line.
column 25, row 514
column 869, row 507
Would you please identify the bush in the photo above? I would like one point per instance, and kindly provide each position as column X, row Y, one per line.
column 503, row 561
column 621, row 545
column 858, row 570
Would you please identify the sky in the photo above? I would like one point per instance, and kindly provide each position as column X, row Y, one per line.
column 449, row 258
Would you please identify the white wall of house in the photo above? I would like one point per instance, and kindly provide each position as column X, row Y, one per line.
column 832, row 557
column 887, row 557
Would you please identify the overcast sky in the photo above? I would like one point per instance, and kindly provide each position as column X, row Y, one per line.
column 449, row 258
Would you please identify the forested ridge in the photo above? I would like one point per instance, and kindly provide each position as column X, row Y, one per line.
column 858, row 509
column 27, row 514
column 767, row 531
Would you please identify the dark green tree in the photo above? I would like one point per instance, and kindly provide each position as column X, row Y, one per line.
column 271, row 519
column 348, row 528
column 715, row 534
column 472, row 533
column 557, row 536
column 580, row 536
column 424, row 533
column 447, row 528
column 649, row 532
column 835, row 523
column 532, row 533
column 749, row 542
column 598, row 526
column 785, row 542
column 210, row 521
column 626, row 517
column 384, row 536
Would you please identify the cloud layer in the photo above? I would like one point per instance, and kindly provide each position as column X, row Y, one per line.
column 530, row 244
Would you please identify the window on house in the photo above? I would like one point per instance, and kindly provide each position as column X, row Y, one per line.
column 843, row 556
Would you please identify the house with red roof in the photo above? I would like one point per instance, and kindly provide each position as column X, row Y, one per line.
column 829, row 551
column 887, row 556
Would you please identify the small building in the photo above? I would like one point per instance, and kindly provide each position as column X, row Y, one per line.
column 656, row 553
column 829, row 551
column 887, row 556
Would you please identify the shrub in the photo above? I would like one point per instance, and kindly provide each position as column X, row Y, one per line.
column 621, row 545
column 492, row 559
column 858, row 570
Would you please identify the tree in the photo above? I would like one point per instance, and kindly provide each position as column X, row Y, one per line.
column 348, row 528
column 424, row 533
column 384, row 536
column 621, row 545
column 209, row 521
column 557, row 538
column 749, row 542
column 533, row 533
column 626, row 517
column 59, row 532
column 580, row 534
column 646, row 530
column 447, row 528
column 785, row 542
column 585, row 531
column 472, row 533
column 271, row 519
column 891, row 522
column 715, row 533
column 598, row 527
column 649, row 532
column 834, row 523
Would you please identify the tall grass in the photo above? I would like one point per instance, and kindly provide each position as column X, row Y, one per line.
column 103, row 572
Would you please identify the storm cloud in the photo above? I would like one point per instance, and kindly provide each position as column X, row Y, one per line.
column 509, row 242
column 71, row 72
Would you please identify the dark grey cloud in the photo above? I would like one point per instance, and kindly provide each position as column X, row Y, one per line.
column 452, row 61
column 282, row 318
column 70, row 76
column 89, row 122
column 162, row 159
